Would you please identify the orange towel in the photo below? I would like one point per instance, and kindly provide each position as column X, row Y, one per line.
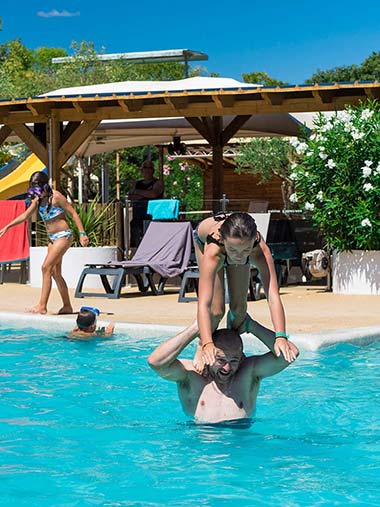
column 14, row 245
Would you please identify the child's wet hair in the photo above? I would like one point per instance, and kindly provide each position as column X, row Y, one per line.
column 238, row 225
column 85, row 319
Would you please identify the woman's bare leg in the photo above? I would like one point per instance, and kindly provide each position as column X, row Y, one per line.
column 54, row 255
column 238, row 284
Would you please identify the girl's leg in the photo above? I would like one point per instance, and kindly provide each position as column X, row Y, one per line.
column 238, row 284
column 62, row 289
column 54, row 255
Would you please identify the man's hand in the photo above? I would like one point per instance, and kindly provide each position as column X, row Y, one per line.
column 286, row 348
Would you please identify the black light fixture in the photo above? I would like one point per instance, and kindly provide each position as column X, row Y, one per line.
column 176, row 147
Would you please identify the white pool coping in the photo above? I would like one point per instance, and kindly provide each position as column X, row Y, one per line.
column 313, row 341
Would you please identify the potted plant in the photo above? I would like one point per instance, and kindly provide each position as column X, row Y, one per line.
column 337, row 179
column 97, row 220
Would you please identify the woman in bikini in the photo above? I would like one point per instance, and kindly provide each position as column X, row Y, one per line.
column 52, row 207
column 233, row 242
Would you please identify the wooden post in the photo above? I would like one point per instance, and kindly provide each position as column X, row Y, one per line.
column 217, row 165
column 161, row 164
column 53, row 147
column 118, row 176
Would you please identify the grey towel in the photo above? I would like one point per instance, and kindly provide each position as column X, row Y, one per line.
column 165, row 248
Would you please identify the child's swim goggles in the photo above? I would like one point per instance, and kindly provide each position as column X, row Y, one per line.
column 35, row 191
column 96, row 311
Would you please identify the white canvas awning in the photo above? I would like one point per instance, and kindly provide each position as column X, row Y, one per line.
column 113, row 135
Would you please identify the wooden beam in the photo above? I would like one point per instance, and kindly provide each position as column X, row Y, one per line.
column 69, row 129
column 324, row 96
column 73, row 142
column 177, row 103
column 27, row 136
column 233, row 127
column 5, row 131
column 275, row 99
column 372, row 93
column 202, row 128
column 124, row 106
column 223, row 101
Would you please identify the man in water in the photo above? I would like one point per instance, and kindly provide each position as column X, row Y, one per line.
column 228, row 388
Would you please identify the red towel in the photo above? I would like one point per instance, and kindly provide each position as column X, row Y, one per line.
column 14, row 245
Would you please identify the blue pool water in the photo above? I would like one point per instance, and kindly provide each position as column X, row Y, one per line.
column 89, row 424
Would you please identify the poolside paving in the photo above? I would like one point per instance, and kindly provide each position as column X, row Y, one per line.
column 309, row 309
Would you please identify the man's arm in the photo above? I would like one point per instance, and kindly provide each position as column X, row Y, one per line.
column 164, row 360
column 266, row 365
column 273, row 362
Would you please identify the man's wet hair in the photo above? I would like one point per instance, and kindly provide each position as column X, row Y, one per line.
column 85, row 319
column 227, row 339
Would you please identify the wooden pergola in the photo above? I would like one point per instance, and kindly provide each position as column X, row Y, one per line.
column 54, row 127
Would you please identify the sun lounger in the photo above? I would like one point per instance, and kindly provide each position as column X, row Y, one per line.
column 164, row 250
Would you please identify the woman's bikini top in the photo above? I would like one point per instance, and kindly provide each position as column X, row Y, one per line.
column 49, row 212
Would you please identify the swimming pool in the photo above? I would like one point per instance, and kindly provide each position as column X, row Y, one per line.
column 89, row 424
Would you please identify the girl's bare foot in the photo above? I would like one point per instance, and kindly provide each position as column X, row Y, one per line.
column 38, row 309
column 65, row 310
column 198, row 362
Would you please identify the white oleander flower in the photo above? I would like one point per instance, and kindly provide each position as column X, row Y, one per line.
column 320, row 196
column 331, row 164
column 357, row 135
column 293, row 176
column 367, row 187
column 367, row 171
column 377, row 168
column 293, row 198
column 344, row 116
column 294, row 142
column 309, row 206
column 301, row 148
column 368, row 163
column 323, row 156
column 175, row 183
column 366, row 114
column 366, row 223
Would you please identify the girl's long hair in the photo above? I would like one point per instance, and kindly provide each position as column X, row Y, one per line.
column 238, row 225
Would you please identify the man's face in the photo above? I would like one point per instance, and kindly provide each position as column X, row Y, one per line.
column 226, row 364
column 147, row 171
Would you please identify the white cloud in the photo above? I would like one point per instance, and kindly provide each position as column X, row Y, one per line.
column 57, row 14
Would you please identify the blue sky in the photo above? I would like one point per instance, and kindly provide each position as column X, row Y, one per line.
column 288, row 40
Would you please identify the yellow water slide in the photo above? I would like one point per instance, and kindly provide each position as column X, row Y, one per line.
column 16, row 182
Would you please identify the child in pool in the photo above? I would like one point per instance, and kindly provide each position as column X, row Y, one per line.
column 52, row 207
column 86, row 325
column 232, row 241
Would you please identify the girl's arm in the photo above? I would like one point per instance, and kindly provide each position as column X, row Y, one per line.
column 21, row 218
column 210, row 263
column 83, row 238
